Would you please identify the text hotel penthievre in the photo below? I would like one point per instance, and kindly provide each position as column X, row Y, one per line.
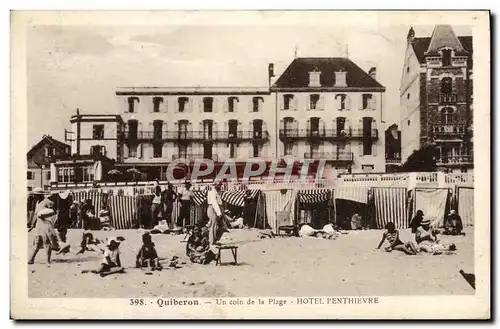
column 172, row 302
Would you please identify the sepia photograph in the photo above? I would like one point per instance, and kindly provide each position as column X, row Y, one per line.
column 231, row 164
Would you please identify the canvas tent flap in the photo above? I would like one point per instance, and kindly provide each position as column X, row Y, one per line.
column 390, row 206
column 357, row 194
column 466, row 205
column 278, row 201
column 237, row 197
column 432, row 202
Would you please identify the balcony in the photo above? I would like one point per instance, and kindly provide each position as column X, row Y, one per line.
column 447, row 98
column 325, row 134
column 340, row 157
column 194, row 156
column 448, row 130
column 455, row 160
column 196, row 136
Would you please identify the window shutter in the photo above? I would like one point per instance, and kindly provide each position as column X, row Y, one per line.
column 373, row 102
column 165, row 130
column 308, row 126
column 139, row 126
column 215, row 104
column 225, row 105
column 164, row 106
column 125, row 105
column 374, row 149
column 215, row 125
column 226, row 126
column 295, row 103
column 236, row 103
column 321, row 103
column 361, row 148
column 125, row 151
column 347, row 102
column 250, row 105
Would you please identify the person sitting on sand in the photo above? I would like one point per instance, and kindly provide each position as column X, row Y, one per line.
column 453, row 224
column 234, row 221
column 425, row 237
column 395, row 243
column 111, row 262
column 415, row 221
column 198, row 247
column 45, row 234
column 147, row 255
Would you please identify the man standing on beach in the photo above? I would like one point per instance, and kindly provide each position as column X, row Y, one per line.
column 214, row 212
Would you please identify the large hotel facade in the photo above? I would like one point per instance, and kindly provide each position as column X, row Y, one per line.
column 319, row 108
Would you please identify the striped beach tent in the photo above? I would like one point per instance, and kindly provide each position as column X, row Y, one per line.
column 123, row 211
column 237, row 197
column 390, row 206
column 355, row 193
column 199, row 195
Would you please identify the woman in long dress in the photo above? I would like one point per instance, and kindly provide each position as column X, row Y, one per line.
column 45, row 234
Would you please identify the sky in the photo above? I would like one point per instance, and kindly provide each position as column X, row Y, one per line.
column 72, row 67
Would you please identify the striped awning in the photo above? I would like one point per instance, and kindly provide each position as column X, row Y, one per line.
column 200, row 196
column 314, row 196
column 237, row 197
column 356, row 193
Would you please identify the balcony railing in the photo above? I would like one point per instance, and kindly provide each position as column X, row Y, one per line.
column 448, row 129
column 326, row 134
column 197, row 135
column 330, row 156
column 194, row 156
column 456, row 160
column 447, row 98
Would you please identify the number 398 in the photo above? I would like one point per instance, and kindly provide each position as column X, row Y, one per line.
column 137, row 302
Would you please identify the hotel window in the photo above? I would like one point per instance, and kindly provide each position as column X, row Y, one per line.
column 30, row 175
column 157, row 129
column 132, row 151
column 232, row 150
column 313, row 101
column 342, row 101
column 256, row 150
column 446, row 86
column 446, row 57
column 288, row 148
column 256, row 103
column 157, row 150
column 448, row 115
column 231, row 103
column 48, row 175
column 98, row 132
column 131, row 104
column 156, row 103
column 367, row 101
column 233, row 128
column 367, row 131
column 287, row 102
column 182, row 151
column 208, row 104
column 182, row 102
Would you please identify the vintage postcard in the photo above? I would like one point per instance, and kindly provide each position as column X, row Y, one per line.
column 250, row 165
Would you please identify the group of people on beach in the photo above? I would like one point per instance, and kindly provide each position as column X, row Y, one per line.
column 426, row 238
column 199, row 246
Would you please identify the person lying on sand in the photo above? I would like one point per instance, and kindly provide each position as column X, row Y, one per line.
column 111, row 262
column 147, row 255
column 308, row 231
column 161, row 228
column 392, row 235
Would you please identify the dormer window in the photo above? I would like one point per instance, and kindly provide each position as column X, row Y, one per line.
column 340, row 79
column 314, row 78
column 446, row 57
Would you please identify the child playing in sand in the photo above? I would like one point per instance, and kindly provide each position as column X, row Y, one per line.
column 392, row 235
column 147, row 255
column 45, row 236
column 87, row 240
column 111, row 262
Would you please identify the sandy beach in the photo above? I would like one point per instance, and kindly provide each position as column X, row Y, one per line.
column 284, row 266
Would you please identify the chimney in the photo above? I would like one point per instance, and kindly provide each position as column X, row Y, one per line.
column 373, row 73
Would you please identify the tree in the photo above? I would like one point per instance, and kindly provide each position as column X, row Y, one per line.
column 422, row 160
